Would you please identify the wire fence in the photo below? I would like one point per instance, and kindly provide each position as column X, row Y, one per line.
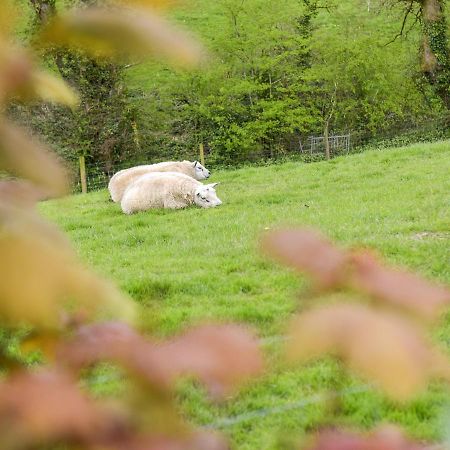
column 295, row 147
column 313, row 149
column 262, row 413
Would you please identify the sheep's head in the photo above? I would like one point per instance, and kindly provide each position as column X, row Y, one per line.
column 206, row 197
column 201, row 173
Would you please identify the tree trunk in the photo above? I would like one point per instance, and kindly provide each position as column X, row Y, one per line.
column 326, row 140
column 45, row 9
column 436, row 49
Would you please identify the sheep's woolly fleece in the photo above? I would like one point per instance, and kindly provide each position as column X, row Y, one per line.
column 167, row 190
column 122, row 179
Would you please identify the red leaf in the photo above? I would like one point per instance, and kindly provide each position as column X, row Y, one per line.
column 195, row 441
column 400, row 288
column 46, row 406
column 16, row 70
column 307, row 251
column 219, row 355
column 330, row 267
column 386, row 438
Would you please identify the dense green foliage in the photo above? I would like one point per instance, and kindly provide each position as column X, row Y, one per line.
column 277, row 73
column 103, row 128
column 194, row 264
column 282, row 72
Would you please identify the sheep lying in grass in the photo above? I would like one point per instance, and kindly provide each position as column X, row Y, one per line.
column 167, row 190
column 121, row 180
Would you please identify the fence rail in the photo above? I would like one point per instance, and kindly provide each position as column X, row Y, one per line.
column 92, row 177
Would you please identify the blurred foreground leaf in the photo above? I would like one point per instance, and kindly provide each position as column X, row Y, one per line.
column 398, row 287
column 52, row 89
column 41, row 277
column 20, row 79
column 24, row 156
column 385, row 438
column 331, row 267
column 45, row 407
column 146, row 3
column 20, row 193
column 380, row 346
column 221, row 356
column 122, row 33
column 307, row 251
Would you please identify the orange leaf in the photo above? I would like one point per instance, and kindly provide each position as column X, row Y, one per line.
column 46, row 407
column 20, row 193
column 53, row 277
column 23, row 156
column 122, row 33
column 146, row 3
column 331, row 267
column 8, row 17
column 52, row 89
column 379, row 346
column 20, row 79
column 15, row 70
column 41, row 276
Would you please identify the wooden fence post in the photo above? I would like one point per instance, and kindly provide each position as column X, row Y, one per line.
column 202, row 155
column 83, row 175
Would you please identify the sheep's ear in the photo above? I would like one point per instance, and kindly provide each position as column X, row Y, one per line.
column 195, row 163
column 213, row 185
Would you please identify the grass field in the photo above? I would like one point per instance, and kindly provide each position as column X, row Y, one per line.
column 190, row 265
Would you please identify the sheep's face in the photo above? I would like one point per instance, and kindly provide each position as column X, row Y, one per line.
column 201, row 173
column 206, row 197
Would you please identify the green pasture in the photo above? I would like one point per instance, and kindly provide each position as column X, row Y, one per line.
column 188, row 266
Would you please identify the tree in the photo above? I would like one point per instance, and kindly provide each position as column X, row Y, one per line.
column 250, row 101
column 435, row 47
column 103, row 128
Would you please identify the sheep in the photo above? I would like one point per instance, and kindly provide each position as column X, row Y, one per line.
column 167, row 190
column 123, row 178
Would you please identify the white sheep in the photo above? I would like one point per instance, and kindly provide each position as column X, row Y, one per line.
column 122, row 179
column 167, row 190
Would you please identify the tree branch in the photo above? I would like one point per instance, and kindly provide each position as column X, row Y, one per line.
column 407, row 13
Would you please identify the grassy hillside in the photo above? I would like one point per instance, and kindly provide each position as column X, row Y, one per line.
column 211, row 22
column 190, row 265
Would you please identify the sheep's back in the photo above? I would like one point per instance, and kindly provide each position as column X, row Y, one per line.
column 122, row 179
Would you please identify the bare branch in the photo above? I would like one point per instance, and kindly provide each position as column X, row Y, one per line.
column 407, row 13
